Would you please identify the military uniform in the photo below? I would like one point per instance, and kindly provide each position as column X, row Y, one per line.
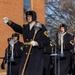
column 48, row 59
column 67, row 46
column 18, row 50
column 35, row 62
column 13, row 67
column 73, row 59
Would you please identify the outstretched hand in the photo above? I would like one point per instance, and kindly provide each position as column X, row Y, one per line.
column 5, row 19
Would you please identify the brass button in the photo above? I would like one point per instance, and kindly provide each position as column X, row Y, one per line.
column 27, row 53
column 26, row 46
column 27, row 39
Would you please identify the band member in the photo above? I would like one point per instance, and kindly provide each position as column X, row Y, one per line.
column 68, row 45
column 47, row 59
column 74, row 42
column 31, row 63
column 13, row 66
column 73, row 69
column 6, row 55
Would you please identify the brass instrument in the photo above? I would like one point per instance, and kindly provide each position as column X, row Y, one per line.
column 12, row 50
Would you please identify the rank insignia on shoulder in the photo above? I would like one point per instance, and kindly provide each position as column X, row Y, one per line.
column 51, row 44
column 46, row 34
column 72, row 42
column 21, row 48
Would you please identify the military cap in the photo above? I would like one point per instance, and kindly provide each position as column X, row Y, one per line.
column 9, row 39
column 33, row 14
column 15, row 35
column 64, row 25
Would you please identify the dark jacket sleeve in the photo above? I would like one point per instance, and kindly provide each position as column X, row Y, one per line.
column 4, row 61
column 15, row 27
column 45, row 40
column 71, row 43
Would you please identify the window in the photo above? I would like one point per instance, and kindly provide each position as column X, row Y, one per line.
column 27, row 5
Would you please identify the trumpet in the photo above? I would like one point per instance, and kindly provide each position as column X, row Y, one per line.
column 12, row 50
column 60, row 41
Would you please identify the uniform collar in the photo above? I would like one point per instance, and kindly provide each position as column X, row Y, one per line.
column 31, row 25
column 64, row 33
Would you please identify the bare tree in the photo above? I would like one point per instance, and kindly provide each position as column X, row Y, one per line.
column 58, row 12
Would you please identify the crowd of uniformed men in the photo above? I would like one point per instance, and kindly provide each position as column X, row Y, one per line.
column 34, row 56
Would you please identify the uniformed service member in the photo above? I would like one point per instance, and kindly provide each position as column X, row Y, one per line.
column 48, row 59
column 68, row 45
column 73, row 58
column 34, row 65
column 7, row 56
column 13, row 66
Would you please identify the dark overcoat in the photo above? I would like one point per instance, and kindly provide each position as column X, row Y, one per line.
column 35, row 62
column 13, row 67
column 68, row 45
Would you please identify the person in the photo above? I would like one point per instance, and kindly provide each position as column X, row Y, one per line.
column 13, row 64
column 74, row 42
column 35, row 38
column 67, row 46
column 6, row 55
column 73, row 69
column 48, row 59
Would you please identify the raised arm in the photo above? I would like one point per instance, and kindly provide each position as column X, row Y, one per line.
column 14, row 26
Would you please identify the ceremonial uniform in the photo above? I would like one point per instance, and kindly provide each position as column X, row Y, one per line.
column 48, row 59
column 67, row 47
column 73, row 59
column 18, row 49
column 35, row 63
column 13, row 66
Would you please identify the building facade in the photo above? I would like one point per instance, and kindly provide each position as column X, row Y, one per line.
column 14, row 10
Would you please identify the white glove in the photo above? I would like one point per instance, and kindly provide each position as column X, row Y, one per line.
column 34, row 43
column 5, row 19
